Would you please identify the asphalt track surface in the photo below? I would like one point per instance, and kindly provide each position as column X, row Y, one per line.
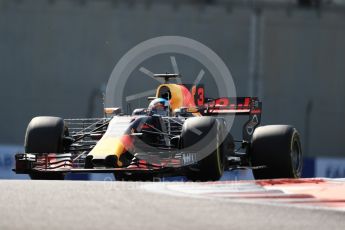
column 128, row 205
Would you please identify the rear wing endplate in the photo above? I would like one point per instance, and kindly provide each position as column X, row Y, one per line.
column 236, row 106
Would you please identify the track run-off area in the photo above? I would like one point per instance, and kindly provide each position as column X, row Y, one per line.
column 267, row 204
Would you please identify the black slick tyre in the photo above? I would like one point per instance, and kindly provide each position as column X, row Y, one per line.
column 45, row 135
column 277, row 150
column 204, row 135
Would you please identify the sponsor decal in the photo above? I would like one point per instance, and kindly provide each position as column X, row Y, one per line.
column 188, row 158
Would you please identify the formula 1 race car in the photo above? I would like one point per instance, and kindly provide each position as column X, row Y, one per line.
column 180, row 133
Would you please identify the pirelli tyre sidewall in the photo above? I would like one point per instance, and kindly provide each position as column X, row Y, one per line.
column 276, row 150
column 210, row 163
column 45, row 135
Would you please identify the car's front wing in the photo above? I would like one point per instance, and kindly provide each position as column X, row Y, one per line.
column 167, row 163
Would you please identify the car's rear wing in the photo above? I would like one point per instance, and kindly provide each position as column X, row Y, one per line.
column 236, row 106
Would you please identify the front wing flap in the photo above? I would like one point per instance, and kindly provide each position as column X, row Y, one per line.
column 169, row 162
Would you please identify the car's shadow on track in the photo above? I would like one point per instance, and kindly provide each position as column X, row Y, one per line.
column 228, row 176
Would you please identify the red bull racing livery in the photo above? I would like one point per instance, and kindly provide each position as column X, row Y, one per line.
column 189, row 136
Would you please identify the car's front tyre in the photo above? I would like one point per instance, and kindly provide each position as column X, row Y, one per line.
column 45, row 135
column 204, row 135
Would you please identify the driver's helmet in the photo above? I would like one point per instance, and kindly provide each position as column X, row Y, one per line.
column 159, row 106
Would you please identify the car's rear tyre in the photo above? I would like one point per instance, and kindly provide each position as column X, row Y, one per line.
column 204, row 135
column 277, row 148
column 45, row 135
